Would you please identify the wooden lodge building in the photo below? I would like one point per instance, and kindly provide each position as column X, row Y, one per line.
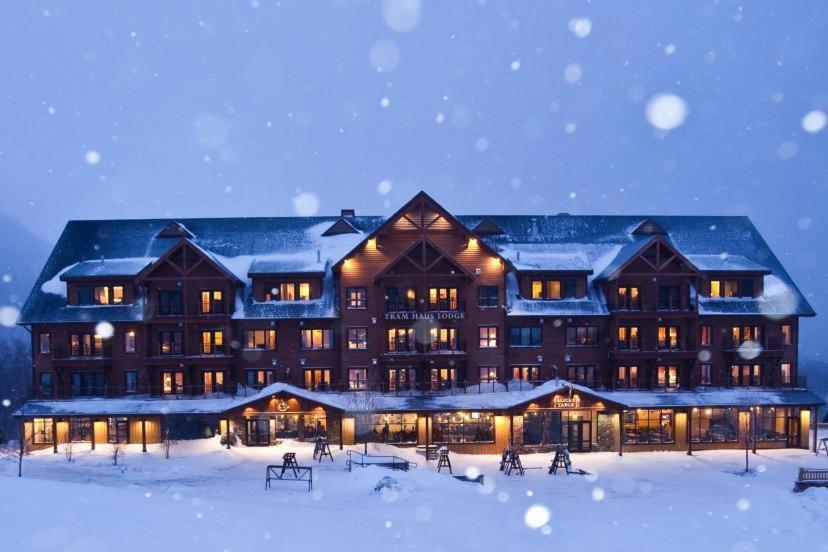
column 616, row 333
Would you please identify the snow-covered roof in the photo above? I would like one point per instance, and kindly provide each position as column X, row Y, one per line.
column 726, row 263
column 625, row 254
column 107, row 268
column 555, row 242
column 593, row 304
column 261, row 267
column 712, row 398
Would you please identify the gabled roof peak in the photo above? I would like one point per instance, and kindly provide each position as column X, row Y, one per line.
column 487, row 227
column 341, row 226
column 648, row 227
column 174, row 229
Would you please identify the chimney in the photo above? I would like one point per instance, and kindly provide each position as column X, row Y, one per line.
column 318, row 255
column 102, row 260
column 349, row 213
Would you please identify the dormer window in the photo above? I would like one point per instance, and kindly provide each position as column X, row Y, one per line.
column 100, row 295
column 553, row 289
column 731, row 288
column 287, row 291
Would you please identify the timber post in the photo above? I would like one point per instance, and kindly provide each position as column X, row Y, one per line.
column 227, row 421
column 689, row 432
column 814, row 427
column 92, row 432
column 143, row 435
column 54, row 435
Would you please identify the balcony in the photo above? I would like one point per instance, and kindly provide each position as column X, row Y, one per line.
column 72, row 355
column 686, row 305
column 655, row 346
column 213, row 309
column 431, row 348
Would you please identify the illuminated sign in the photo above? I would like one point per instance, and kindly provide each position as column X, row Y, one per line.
column 440, row 315
column 560, row 401
column 282, row 406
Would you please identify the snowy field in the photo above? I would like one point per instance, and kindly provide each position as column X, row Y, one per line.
column 208, row 498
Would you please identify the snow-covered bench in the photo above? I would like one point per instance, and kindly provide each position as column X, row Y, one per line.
column 810, row 477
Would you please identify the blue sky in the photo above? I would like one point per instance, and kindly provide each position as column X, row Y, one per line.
column 153, row 109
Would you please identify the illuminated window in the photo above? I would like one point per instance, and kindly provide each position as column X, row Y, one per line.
column 317, row 379
column 785, row 370
column 526, row 373
column 488, row 337
column 537, row 289
column 443, row 299
column 129, row 341
column 715, row 288
column 287, row 292
column 627, row 337
column 212, row 302
column 648, row 426
column 86, row 345
column 260, row 339
column 667, row 376
column 212, row 381
column 212, row 342
column 357, row 378
column 463, row 427
column 42, row 431
column 101, row 295
column 304, row 291
column 706, row 335
column 172, row 383
column 117, row 295
column 259, row 379
column 358, row 338
column 356, row 297
column 714, row 425
column 627, row 376
column 488, row 374
column 402, row 379
column 787, row 334
column 628, row 298
column 668, row 337
column 400, row 299
column 317, row 340
column 401, row 340
column 443, row 339
column 553, row 289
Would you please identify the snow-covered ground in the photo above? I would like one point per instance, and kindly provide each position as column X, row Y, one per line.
column 208, row 498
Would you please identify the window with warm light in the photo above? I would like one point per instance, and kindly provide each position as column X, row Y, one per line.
column 668, row 337
column 304, row 291
column 86, row 345
column 785, row 371
column 627, row 337
column 401, row 340
column 358, row 338
column 537, row 289
column 581, row 336
column 443, row 339
column 260, row 339
column 628, row 298
column 357, row 378
column 317, row 339
column 463, row 427
column 627, row 377
column 212, row 342
column 356, row 298
column 787, row 334
column 705, row 373
column 172, row 383
column 526, row 373
column 667, row 376
column 488, row 374
column 706, row 335
column 212, row 302
column 443, row 299
column 488, row 337
column 553, row 289
column 317, row 379
column 714, row 425
column 642, row 426
column 171, row 343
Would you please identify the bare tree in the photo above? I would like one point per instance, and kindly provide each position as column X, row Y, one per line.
column 116, row 452
column 68, row 451
column 167, row 442
column 15, row 452
column 748, row 411
column 362, row 404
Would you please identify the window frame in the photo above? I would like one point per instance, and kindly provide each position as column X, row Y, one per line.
column 326, row 339
column 268, row 342
column 213, row 346
column 357, row 383
column 356, row 298
column 486, row 299
column 357, row 338
column 526, row 336
column 590, row 336
column 130, row 342
column 487, row 341
column 44, row 346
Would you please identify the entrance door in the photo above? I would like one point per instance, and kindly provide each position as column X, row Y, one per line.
column 578, row 438
column 793, row 431
column 258, row 432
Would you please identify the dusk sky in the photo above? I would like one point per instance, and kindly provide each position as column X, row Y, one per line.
column 177, row 109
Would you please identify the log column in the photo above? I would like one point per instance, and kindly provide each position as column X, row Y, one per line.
column 54, row 435
column 143, row 435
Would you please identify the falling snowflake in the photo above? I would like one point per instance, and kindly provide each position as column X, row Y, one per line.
column 104, row 329
column 8, row 316
column 580, row 26
column 536, row 516
column 384, row 187
column 666, row 111
column 814, row 121
column 306, row 204
column 92, row 157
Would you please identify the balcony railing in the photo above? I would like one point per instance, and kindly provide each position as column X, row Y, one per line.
column 187, row 309
column 647, row 345
column 433, row 348
column 72, row 353
column 444, row 387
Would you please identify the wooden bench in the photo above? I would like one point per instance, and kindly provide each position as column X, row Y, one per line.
column 298, row 473
column 810, row 477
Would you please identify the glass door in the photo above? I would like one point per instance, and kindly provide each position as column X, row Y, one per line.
column 793, row 431
column 258, row 432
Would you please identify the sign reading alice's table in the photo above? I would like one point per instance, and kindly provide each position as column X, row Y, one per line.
column 438, row 315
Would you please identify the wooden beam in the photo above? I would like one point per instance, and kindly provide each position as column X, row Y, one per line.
column 92, row 432
column 54, row 434
column 690, row 432
column 621, row 433
column 341, row 432
column 814, row 426
column 143, row 435
column 227, row 421
column 511, row 431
